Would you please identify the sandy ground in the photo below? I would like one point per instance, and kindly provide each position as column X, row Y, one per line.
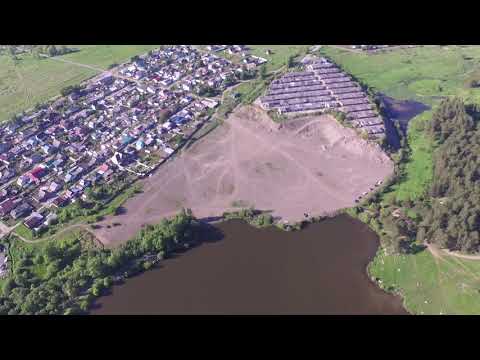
column 4, row 229
column 307, row 165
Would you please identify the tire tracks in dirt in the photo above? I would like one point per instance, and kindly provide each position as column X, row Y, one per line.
column 327, row 189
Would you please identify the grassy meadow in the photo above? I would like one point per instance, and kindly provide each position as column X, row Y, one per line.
column 279, row 55
column 104, row 55
column 419, row 167
column 33, row 81
column 422, row 73
column 431, row 285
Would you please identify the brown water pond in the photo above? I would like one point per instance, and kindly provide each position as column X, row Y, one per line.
column 319, row 270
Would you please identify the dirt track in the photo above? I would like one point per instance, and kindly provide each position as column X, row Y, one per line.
column 310, row 164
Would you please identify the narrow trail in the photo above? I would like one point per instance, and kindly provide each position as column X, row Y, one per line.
column 68, row 228
column 112, row 72
column 440, row 282
column 443, row 255
column 461, row 256
column 303, row 127
column 74, row 63
column 439, row 252
column 26, row 90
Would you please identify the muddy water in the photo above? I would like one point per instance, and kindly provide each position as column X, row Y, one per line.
column 319, row 270
column 401, row 111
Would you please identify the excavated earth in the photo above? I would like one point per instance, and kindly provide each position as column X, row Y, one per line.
column 307, row 165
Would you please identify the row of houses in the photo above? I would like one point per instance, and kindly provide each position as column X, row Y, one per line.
column 105, row 130
column 323, row 86
column 184, row 65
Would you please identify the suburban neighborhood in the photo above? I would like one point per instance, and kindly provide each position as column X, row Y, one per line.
column 111, row 130
column 215, row 179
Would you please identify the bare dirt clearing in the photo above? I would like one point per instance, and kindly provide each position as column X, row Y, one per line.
column 307, row 165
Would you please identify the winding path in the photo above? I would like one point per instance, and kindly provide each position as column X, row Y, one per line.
column 74, row 63
column 68, row 228
column 438, row 253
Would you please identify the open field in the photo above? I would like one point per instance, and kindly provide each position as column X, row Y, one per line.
column 33, row 81
column 279, row 55
column 419, row 167
column 23, row 231
column 422, row 73
column 104, row 55
column 431, row 284
column 309, row 164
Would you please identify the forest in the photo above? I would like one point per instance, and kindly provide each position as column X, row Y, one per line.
column 452, row 216
column 65, row 277
column 448, row 214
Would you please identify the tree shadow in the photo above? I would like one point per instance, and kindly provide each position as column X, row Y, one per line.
column 210, row 219
column 207, row 233
column 203, row 233
column 120, row 211
column 416, row 248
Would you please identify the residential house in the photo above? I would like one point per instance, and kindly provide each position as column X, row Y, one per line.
column 54, row 187
column 33, row 221
column 23, row 180
column 21, row 210
column 42, row 196
column 36, row 174
column 7, row 206
column 60, row 201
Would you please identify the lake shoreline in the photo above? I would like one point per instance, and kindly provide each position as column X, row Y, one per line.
column 265, row 234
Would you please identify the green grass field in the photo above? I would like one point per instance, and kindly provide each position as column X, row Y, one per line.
column 431, row 285
column 23, row 231
column 419, row 168
column 104, row 55
column 420, row 73
column 33, row 81
column 280, row 54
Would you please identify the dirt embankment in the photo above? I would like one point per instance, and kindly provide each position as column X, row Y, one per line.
column 310, row 164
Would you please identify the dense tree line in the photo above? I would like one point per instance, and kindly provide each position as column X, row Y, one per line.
column 53, row 50
column 253, row 217
column 449, row 213
column 247, row 74
column 73, row 274
column 452, row 217
column 70, row 90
